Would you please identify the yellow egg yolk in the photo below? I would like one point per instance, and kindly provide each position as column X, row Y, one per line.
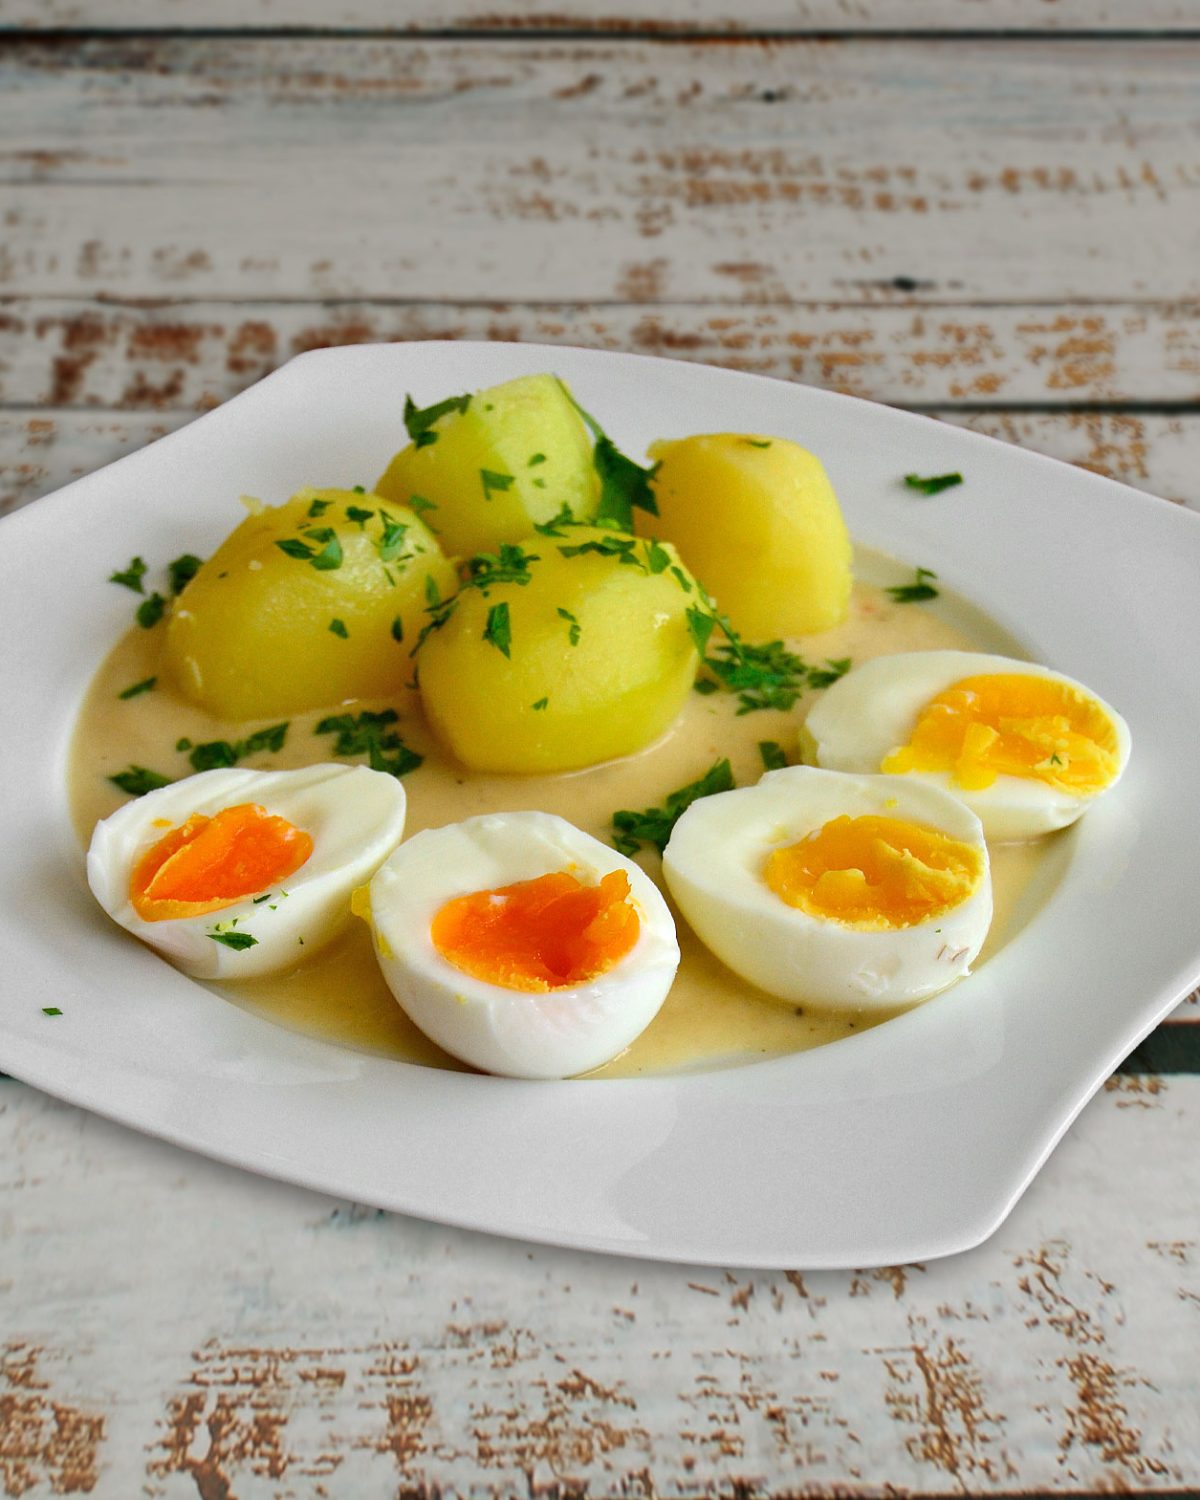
column 1012, row 724
column 543, row 934
column 208, row 863
column 874, row 872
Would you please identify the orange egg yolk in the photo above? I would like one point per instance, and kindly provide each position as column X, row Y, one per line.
column 1009, row 724
column 543, row 934
column 874, row 872
column 207, row 863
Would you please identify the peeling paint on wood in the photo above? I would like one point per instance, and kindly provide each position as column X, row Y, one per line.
column 620, row 16
column 190, row 355
column 289, row 1346
column 767, row 172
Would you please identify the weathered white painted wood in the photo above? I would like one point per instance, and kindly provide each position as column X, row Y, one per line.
column 175, row 1328
column 573, row 170
column 43, row 449
column 191, row 354
column 788, row 16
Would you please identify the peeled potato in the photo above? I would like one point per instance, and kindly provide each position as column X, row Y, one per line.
column 513, row 458
column 259, row 632
column 591, row 658
column 758, row 523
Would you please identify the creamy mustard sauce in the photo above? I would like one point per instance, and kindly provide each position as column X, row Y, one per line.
column 711, row 1018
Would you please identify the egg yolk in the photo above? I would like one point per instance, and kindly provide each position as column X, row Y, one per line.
column 1009, row 724
column 543, row 934
column 207, row 863
column 874, row 872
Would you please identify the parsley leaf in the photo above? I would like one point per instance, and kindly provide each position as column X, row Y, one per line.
column 574, row 630
column 137, row 781
column 419, row 420
column 371, row 734
column 498, row 630
column 554, row 526
column 138, row 687
column 624, row 485
column 150, row 611
column 920, row 588
column 509, row 565
column 338, row 627
column 934, row 484
column 181, row 572
column 358, row 515
column 540, row 704
column 295, row 548
column 131, row 577
column 654, row 824
column 773, row 758
column 319, row 507
column 757, row 442
column 216, row 753
column 234, row 940
column 535, row 459
column 494, row 481
column 391, row 540
column 420, row 505
column 330, row 555
column 51, row 1010
column 397, row 629
column 823, row 677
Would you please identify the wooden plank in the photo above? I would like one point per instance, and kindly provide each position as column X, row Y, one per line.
column 764, row 172
column 784, row 16
column 289, row 1344
column 189, row 355
column 42, row 449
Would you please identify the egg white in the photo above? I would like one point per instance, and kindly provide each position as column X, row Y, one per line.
column 550, row 1034
column 873, row 710
column 714, row 866
column 354, row 815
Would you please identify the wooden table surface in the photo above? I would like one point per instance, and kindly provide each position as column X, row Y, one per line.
column 983, row 209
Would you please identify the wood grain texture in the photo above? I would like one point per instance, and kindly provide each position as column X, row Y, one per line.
column 227, row 1336
column 872, row 172
column 190, row 355
column 620, row 16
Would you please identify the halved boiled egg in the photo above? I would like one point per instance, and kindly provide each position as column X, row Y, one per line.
column 521, row 944
column 234, row 873
column 1027, row 749
column 835, row 890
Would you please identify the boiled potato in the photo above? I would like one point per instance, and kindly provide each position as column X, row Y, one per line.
column 516, row 456
column 756, row 520
column 590, row 658
column 306, row 604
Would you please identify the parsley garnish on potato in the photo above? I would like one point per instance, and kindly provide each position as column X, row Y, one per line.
column 419, row 420
column 498, row 629
column 624, row 484
column 654, row 824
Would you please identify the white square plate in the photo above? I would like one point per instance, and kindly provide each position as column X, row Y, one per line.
column 910, row 1141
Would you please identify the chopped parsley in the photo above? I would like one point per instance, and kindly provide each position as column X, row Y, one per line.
column 535, row 459
column 181, row 572
column 150, row 611
column 419, row 504
column 773, row 758
column 934, row 484
column 492, row 480
column 138, row 687
column 573, row 626
column 420, row 420
column 391, row 540
column 498, row 630
column 358, row 515
column 654, row 825
column 51, row 1010
column 397, row 629
column 540, row 704
column 338, row 628
column 509, row 565
column 372, row 735
column 234, row 940
column 215, row 753
column 554, row 526
column 920, row 588
column 624, row 485
column 131, row 577
column 826, row 676
column 137, row 781
column 318, row 508
column 757, row 442
column 326, row 559
column 358, row 489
